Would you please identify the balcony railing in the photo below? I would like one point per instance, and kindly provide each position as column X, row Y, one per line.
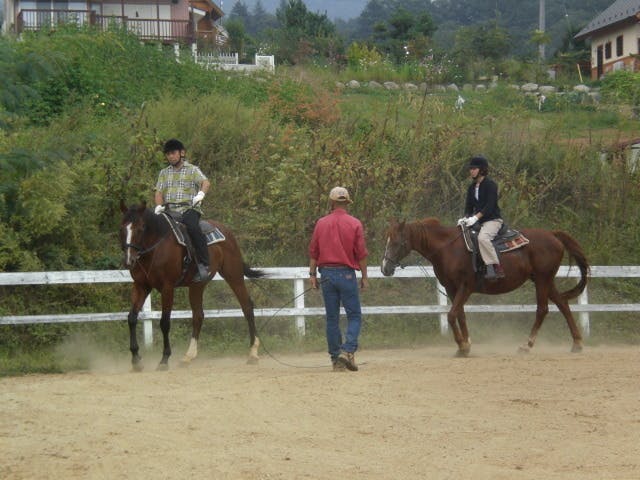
column 145, row 29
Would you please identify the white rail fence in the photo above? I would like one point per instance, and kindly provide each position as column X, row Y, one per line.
column 299, row 277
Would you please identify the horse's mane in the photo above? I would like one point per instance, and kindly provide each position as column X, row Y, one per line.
column 419, row 225
column 429, row 222
column 156, row 224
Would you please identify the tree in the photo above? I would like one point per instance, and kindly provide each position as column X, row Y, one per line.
column 237, row 36
column 241, row 12
column 405, row 35
column 302, row 33
column 485, row 41
column 261, row 20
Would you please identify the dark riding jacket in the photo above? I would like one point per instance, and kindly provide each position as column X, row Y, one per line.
column 487, row 201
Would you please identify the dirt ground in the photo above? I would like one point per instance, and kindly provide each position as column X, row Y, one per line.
column 406, row 414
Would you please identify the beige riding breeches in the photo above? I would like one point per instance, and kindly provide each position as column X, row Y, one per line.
column 488, row 232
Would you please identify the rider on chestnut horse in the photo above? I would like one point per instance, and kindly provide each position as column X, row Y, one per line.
column 481, row 206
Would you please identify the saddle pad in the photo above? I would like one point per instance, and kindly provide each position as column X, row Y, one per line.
column 508, row 244
column 213, row 234
column 510, row 240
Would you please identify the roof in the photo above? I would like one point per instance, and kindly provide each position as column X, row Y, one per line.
column 208, row 6
column 619, row 11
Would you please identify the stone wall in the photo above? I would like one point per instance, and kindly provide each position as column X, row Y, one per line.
column 527, row 88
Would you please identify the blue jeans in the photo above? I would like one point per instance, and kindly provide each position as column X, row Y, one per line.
column 340, row 285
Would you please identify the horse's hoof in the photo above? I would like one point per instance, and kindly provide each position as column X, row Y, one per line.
column 577, row 348
column 186, row 361
column 137, row 367
column 524, row 349
column 462, row 353
column 253, row 361
column 162, row 367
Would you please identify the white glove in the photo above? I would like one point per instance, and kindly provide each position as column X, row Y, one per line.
column 471, row 220
column 159, row 209
column 198, row 198
column 462, row 221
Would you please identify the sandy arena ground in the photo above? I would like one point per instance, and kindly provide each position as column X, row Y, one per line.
column 407, row 414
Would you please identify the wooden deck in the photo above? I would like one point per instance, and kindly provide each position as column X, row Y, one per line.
column 166, row 31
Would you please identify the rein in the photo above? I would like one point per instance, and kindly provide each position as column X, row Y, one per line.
column 143, row 251
column 403, row 244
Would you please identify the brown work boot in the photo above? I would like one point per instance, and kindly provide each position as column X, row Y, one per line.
column 348, row 359
column 339, row 366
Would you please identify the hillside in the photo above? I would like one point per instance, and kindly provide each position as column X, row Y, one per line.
column 335, row 9
column 356, row 18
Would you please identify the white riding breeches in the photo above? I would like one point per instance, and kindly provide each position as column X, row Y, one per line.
column 488, row 232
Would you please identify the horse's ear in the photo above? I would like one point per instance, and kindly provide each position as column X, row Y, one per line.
column 143, row 206
column 123, row 206
column 401, row 225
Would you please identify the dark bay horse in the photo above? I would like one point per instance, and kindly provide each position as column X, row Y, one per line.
column 538, row 261
column 154, row 258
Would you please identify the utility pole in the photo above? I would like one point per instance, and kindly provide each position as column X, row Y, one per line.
column 541, row 27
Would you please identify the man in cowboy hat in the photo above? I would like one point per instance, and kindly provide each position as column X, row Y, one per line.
column 337, row 250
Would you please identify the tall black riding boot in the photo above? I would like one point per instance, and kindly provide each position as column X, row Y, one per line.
column 191, row 219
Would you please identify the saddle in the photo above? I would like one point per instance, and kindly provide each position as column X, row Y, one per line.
column 179, row 229
column 211, row 233
column 506, row 240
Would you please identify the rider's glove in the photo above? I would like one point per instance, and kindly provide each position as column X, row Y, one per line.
column 471, row 220
column 462, row 221
column 198, row 198
column 159, row 209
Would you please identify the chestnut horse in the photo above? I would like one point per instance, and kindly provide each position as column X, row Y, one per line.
column 154, row 258
column 538, row 261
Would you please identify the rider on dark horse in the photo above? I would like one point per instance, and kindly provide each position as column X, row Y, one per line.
column 181, row 187
column 482, row 206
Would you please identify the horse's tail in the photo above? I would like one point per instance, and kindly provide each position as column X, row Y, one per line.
column 252, row 272
column 576, row 253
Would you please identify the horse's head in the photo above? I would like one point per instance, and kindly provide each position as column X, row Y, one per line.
column 132, row 230
column 396, row 249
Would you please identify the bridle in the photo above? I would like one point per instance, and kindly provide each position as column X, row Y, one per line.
column 141, row 249
column 395, row 264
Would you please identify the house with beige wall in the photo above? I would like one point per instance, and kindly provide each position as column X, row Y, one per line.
column 166, row 21
column 614, row 36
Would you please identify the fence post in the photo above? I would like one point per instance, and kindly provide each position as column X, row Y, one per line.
column 583, row 299
column 147, row 326
column 442, row 300
column 298, row 293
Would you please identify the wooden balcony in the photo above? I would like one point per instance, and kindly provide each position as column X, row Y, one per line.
column 166, row 31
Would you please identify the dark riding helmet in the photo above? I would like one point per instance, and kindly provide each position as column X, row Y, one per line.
column 172, row 145
column 480, row 162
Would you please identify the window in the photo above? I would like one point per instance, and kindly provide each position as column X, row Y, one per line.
column 619, row 46
column 607, row 50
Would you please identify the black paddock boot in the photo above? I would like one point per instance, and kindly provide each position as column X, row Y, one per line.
column 494, row 272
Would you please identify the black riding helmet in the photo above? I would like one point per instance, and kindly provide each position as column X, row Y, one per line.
column 480, row 162
column 172, row 145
